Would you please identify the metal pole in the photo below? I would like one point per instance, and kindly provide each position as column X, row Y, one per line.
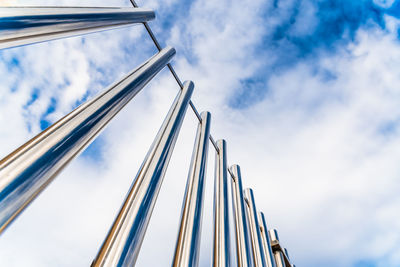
column 256, row 239
column 29, row 169
column 122, row 244
column 27, row 25
column 286, row 252
column 243, row 248
column 279, row 259
column 221, row 208
column 269, row 256
column 188, row 242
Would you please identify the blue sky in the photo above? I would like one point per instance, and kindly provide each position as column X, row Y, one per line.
column 305, row 93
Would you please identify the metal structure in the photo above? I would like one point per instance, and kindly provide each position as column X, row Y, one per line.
column 27, row 171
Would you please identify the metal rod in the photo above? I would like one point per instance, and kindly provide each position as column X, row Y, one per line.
column 221, row 209
column 278, row 255
column 29, row 169
column 255, row 234
column 243, row 247
column 157, row 44
column 122, row 244
column 286, row 252
column 269, row 256
column 28, row 25
column 188, row 242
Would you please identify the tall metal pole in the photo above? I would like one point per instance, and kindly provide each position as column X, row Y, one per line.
column 29, row 169
column 188, row 243
column 256, row 239
column 27, row 25
column 266, row 241
column 221, row 208
column 243, row 247
column 279, row 259
column 122, row 244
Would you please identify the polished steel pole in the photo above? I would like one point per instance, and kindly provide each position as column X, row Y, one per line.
column 269, row 256
column 279, row 259
column 286, row 252
column 122, row 244
column 243, row 247
column 27, row 25
column 255, row 233
column 29, row 169
column 221, row 208
column 188, row 242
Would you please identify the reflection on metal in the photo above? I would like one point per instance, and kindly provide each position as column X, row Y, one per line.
column 29, row 169
column 243, row 247
column 122, row 244
column 266, row 241
column 27, row 25
column 221, row 208
column 278, row 254
column 188, row 242
column 255, row 234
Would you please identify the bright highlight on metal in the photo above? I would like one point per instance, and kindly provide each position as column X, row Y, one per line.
column 266, row 241
column 221, row 208
column 29, row 169
column 187, row 248
column 123, row 242
column 255, row 234
column 243, row 247
column 28, row 25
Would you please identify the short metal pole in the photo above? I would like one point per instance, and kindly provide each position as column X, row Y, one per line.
column 188, row 243
column 266, row 241
column 29, row 169
column 279, row 259
column 27, row 25
column 255, row 233
column 221, row 208
column 122, row 244
column 243, row 246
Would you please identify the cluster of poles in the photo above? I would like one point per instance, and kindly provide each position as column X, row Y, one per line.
column 27, row 171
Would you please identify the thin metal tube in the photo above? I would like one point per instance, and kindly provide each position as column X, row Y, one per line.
column 286, row 252
column 122, row 244
column 221, row 209
column 243, row 247
column 29, row 169
column 171, row 69
column 279, row 259
column 157, row 44
column 28, row 25
column 188, row 242
column 255, row 234
column 269, row 256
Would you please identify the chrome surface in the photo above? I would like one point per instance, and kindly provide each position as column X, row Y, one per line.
column 122, row 244
column 266, row 241
column 243, row 245
column 255, row 233
column 278, row 254
column 27, row 25
column 29, row 169
column 188, row 242
column 221, row 208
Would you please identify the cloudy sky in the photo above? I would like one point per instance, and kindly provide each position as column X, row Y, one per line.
column 306, row 93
